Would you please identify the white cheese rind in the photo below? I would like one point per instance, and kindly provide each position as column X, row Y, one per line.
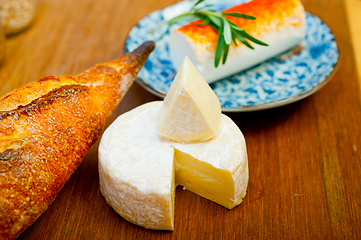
column 137, row 168
column 191, row 111
column 279, row 38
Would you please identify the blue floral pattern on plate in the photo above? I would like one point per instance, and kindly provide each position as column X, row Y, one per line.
column 284, row 79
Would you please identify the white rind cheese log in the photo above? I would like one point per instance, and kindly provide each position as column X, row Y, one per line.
column 279, row 23
column 191, row 111
column 138, row 169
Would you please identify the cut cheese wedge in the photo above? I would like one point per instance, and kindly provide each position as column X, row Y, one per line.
column 279, row 23
column 138, row 169
column 191, row 110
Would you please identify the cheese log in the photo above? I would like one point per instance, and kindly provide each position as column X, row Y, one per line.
column 138, row 169
column 279, row 23
column 47, row 127
column 191, row 111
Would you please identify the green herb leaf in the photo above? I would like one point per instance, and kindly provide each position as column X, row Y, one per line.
column 214, row 18
column 206, row 21
column 239, row 15
column 199, row 1
column 211, row 24
column 255, row 40
column 227, row 32
column 242, row 39
column 183, row 18
column 219, row 47
column 225, row 53
column 206, row 7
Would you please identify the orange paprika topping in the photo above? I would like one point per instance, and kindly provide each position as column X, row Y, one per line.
column 267, row 12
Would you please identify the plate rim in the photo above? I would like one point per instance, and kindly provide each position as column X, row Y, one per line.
column 262, row 106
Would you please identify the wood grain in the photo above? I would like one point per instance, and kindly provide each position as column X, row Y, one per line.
column 353, row 9
column 304, row 158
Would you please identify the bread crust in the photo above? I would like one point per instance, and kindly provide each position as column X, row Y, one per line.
column 47, row 127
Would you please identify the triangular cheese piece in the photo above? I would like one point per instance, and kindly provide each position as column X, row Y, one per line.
column 191, row 111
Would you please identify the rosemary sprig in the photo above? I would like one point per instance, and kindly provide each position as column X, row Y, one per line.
column 227, row 31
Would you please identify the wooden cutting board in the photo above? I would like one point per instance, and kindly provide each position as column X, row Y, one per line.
column 304, row 158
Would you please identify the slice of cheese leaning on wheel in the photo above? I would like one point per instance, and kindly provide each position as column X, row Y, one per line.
column 191, row 111
column 138, row 169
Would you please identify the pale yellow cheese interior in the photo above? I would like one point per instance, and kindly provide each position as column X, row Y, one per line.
column 205, row 180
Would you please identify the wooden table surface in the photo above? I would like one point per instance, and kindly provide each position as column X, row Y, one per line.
column 304, row 158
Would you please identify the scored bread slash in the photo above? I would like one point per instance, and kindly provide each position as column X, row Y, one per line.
column 191, row 111
column 47, row 127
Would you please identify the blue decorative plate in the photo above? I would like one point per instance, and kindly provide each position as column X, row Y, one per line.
column 284, row 79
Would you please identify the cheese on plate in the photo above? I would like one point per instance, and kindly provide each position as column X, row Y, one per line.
column 191, row 110
column 279, row 23
column 139, row 169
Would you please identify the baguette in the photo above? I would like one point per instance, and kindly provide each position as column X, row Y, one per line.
column 47, row 127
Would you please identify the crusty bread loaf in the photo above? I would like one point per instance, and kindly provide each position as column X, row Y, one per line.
column 47, row 127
